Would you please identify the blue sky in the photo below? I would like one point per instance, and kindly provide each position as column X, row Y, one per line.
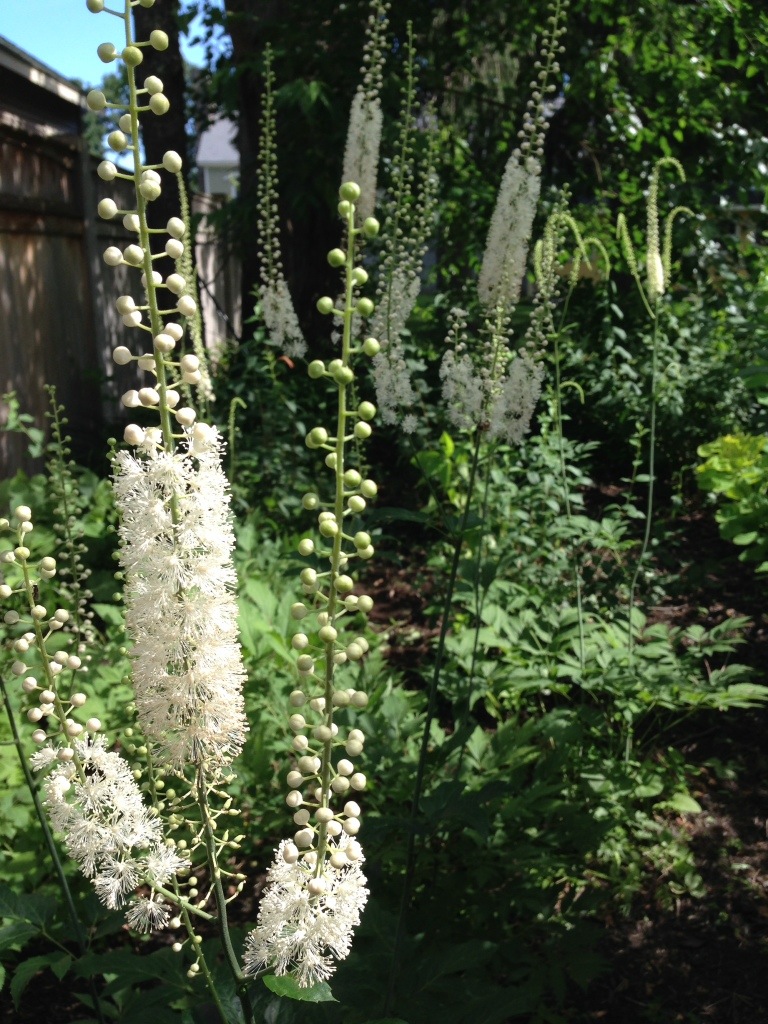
column 64, row 35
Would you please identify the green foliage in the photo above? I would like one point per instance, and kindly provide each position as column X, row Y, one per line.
column 735, row 468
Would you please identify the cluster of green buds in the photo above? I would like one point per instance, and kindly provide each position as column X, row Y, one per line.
column 321, row 782
column 169, row 373
column 53, row 708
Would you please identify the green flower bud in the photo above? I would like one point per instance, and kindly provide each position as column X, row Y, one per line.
column 95, row 6
column 352, row 478
column 359, row 276
column 371, row 347
column 132, row 56
column 369, row 489
column 107, row 209
column 343, row 375
column 316, row 369
column 325, row 305
column 362, row 431
column 172, row 161
column 370, row 227
column 316, row 437
column 329, row 528
column 107, row 53
column 96, row 100
column 337, row 257
column 344, row 209
column 150, row 190
column 364, row 307
column 117, row 141
column 349, row 191
column 366, row 410
column 307, row 546
column 159, row 104
column 158, row 39
column 343, row 584
column 310, row 501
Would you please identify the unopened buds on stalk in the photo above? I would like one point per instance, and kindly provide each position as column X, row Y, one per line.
column 89, row 792
column 176, row 531
column 316, row 887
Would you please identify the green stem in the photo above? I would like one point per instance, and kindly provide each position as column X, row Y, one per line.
column 651, row 482
column 221, row 900
column 564, row 477
column 648, row 518
column 410, row 862
column 336, row 549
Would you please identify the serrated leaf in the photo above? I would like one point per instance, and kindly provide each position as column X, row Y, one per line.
column 131, row 969
column 17, row 934
column 287, row 987
column 31, row 907
column 27, row 970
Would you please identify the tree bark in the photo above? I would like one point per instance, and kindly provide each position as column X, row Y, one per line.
column 168, row 131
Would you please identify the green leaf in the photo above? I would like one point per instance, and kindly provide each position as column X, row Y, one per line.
column 683, row 803
column 31, row 907
column 131, row 969
column 745, row 538
column 2, row 977
column 287, row 987
column 651, row 788
column 16, row 935
column 27, row 970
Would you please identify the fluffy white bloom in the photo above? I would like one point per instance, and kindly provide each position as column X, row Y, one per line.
column 145, row 915
column 96, row 804
column 514, row 404
column 394, row 391
column 176, row 550
column 302, row 933
column 280, row 318
column 489, row 387
column 506, row 250
column 654, row 269
column 361, row 154
column 463, row 391
column 396, row 301
column 391, row 377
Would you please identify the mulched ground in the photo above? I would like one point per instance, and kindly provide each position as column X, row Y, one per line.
column 705, row 961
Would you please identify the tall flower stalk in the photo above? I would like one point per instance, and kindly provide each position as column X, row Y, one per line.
column 176, row 542
column 361, row 153
column 316, row 889
column 276, row 302
column 658, row 270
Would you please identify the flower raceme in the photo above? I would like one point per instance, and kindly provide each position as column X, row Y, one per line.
column 176, row 537
column 90, row 792
column 316, row 889
column 176, row 543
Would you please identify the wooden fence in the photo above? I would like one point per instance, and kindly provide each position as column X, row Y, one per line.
column 58, row 321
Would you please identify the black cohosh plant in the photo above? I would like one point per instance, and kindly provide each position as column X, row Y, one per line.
column 155, row 833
